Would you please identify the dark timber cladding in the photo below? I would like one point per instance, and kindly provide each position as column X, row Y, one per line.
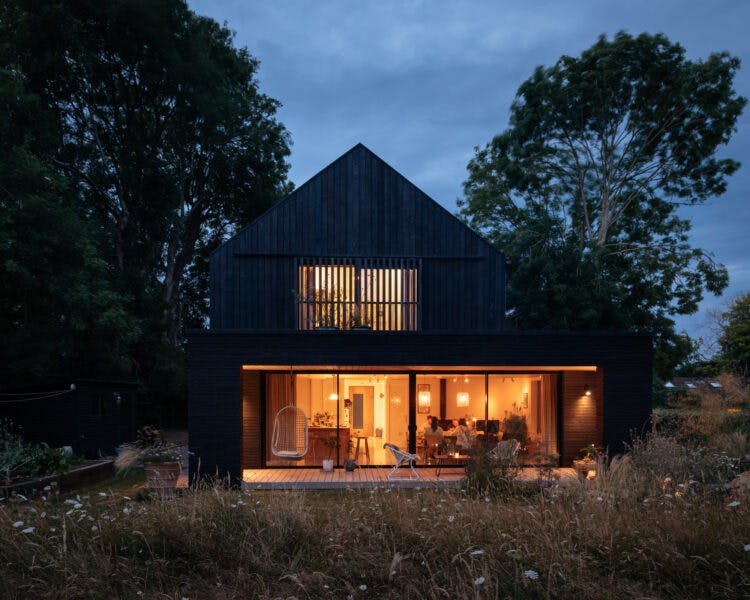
column 621, row 386
column 357, row 208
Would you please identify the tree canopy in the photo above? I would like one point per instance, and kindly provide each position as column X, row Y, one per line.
column 734, row 341
column 581, row 192
column 162, row 141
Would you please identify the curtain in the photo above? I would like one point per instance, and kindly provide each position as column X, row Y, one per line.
column 547, row 408
column 278, row 395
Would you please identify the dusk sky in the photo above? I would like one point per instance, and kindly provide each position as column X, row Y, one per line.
column 421, row 83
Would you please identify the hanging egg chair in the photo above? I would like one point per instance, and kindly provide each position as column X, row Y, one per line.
column 289, row 438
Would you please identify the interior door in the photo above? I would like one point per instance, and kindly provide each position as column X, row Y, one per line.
column 363, row 408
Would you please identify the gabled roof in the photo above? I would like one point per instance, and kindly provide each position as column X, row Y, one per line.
column 359, row 206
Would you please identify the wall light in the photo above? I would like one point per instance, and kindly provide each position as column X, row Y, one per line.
column 462, row 399
column 395, row 400
column 587, row 390
column 333, row 397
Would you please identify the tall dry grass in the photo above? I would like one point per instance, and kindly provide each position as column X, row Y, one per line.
column 608, row 539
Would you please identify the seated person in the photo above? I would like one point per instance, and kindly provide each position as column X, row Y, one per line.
column 453, row 427
column 463, row 435
column 433, row 436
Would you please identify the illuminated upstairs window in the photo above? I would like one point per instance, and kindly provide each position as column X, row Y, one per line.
column 381, row 294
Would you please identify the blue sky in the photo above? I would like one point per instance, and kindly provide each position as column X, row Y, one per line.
column 421, row 83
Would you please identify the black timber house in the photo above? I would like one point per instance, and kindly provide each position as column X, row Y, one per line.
column 361, row 301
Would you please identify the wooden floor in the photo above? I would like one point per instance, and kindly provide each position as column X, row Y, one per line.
column 317, row 479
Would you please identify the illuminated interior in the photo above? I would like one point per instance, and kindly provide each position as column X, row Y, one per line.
column 346, row 410
column 378, row 294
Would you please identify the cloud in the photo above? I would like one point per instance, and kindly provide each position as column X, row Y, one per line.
column 424, row 82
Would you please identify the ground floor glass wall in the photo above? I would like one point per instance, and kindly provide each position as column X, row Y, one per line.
column 351, row 415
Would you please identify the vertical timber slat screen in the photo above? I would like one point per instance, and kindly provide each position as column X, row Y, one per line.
column 345, row 293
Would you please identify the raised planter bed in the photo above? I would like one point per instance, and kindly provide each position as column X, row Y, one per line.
column 87, row 473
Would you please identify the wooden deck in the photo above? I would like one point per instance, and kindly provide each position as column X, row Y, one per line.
column 317, row 479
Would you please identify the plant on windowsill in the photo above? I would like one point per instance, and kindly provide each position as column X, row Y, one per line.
column 359, row 319
column 322, row 307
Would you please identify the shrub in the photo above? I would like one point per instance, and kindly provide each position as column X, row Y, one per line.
column 488, row 477
column 19, row 460
column 660, row 457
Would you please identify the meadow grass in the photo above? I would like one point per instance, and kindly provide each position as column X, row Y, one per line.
column 588, row 541
column 655, row 523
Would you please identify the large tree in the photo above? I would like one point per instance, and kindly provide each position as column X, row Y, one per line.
column 734, row 341
column 582, row 191
column 165, row 136
column 59, row 312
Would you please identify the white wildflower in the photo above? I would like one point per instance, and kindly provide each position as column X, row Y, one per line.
column 94, row 528
column 733, row 503
column 103, row 494
column 451, row 518
column 529, row 574
column 479, row 580
column 599, row 499
column 29, row 530
column 70, row 501
column 424, row 510
column 52, row 529
column 78, row 505
column 47, row 488
column 747, row 547
column 18, row 524
column 44, row 514
column 126, row 510
column 363, row 587
column 477, row 552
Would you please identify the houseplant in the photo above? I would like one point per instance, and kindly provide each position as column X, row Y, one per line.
column 322, row 307
column 587, row 463
column 359, row 318
column 160, row 460
column 515, row 428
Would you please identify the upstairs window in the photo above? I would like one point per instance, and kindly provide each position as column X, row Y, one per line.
column 343, row 293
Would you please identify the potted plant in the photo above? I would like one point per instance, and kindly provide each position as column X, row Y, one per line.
column 515, row 428
column 323, row 419
column 359, row 318
column 586, row 465
column 322, row 307
column 160, row 460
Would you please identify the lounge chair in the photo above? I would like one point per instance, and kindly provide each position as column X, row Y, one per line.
column 401, row 457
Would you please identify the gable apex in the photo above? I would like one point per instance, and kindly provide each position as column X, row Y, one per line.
column 359, row 205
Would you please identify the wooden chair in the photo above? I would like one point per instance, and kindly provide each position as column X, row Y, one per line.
column 431, row 444
column 402, row 458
